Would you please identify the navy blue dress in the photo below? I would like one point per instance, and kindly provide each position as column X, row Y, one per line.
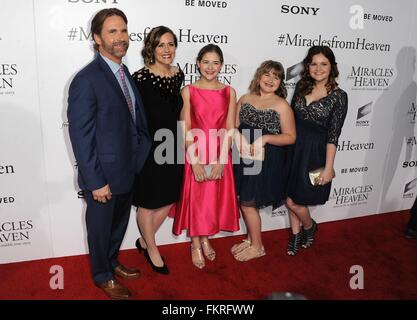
column 266, row 187
column 318, row 124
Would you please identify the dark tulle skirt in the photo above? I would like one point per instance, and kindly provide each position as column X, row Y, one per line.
column 309, row 153
column 266, row 188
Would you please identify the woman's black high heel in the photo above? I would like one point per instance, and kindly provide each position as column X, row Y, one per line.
column 139, row 247
column 294, row 243
column 308, row 235
column 162, row 270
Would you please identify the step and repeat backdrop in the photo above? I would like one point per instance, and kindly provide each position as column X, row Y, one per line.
column 43, row 43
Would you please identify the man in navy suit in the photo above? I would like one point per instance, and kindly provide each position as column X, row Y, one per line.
column 110, row 140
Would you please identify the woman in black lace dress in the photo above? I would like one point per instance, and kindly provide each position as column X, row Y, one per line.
column 158, row 185
column 320, row 109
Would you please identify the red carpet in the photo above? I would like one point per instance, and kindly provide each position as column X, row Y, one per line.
column 374, row 242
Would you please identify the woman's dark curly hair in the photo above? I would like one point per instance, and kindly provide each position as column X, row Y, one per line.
column 306, row 83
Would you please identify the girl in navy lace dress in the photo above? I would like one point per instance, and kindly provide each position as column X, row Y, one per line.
column 320, row 109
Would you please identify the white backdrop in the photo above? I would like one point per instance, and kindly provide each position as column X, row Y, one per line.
column 43, row 43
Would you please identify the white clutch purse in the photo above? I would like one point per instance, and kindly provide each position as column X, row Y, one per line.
column 207, row 169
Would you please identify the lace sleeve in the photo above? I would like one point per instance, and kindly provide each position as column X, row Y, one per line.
column 337, row 117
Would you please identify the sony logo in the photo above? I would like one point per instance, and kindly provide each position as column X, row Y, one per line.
column 285, row 8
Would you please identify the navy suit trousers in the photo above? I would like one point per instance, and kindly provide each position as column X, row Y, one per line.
column 106, row 226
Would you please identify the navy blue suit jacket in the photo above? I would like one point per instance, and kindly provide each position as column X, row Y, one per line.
column 108, row 145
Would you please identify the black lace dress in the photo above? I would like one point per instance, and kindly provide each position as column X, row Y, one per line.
column 261, row 184
column 318, row 124
column 159, row 184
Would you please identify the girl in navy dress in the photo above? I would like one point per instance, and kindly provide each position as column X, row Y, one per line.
column 263, row 112
column 320, row 108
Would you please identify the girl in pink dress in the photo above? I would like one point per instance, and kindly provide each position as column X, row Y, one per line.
column 208, row 202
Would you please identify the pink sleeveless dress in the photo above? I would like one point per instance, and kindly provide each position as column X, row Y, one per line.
column 205, row 208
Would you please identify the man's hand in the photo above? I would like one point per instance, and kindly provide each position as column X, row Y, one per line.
column 103, row 194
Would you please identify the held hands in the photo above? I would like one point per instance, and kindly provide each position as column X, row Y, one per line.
column 216, row 171
column 326, row 176
column 103, row 194
column 254, row 151
column 199, row 173
column 257, row 145
column 243, row 146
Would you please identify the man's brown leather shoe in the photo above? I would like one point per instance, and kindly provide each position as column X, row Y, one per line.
column 115, row 290
column 126, row 273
